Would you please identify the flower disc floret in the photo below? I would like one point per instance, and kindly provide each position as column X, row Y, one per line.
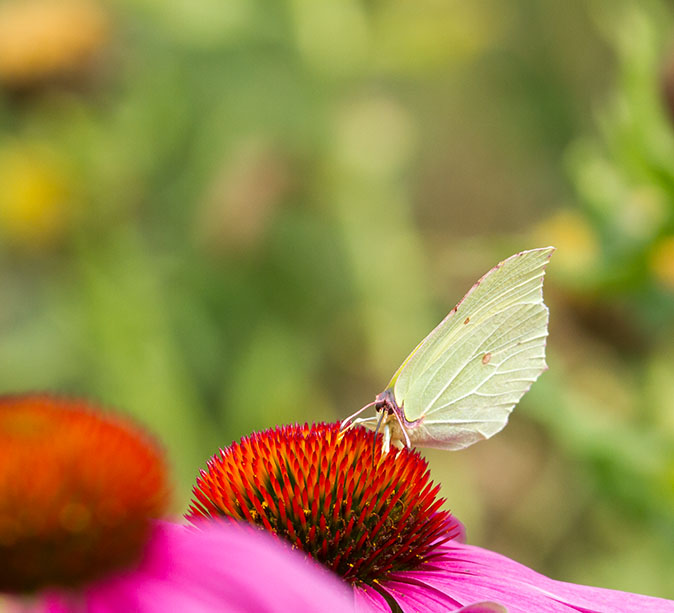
column 319, row 488
column 78, row 490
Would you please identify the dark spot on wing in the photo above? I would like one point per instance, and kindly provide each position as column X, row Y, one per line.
column 486, row 357
column 466, row 320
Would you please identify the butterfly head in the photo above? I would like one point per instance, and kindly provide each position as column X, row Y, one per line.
column 385, row 402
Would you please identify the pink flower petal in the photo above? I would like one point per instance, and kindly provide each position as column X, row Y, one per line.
column 469, row 574
column 216, row 568
column 483, row 607
column 369, row 600
column 412, row 597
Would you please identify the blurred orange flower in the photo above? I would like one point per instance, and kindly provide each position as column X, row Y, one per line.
column 43, row 39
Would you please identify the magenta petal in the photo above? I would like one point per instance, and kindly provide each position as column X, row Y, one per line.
column 412, row 597
column 470, row 574
column 483, row 607
column 219, row 567
column 368, row 600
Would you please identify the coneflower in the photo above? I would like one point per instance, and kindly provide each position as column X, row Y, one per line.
column 378, row 525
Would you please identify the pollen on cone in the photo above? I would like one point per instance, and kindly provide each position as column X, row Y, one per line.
column 78, row 489
column 318, row 488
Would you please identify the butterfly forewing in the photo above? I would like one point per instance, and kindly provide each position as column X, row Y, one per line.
column 466, row 376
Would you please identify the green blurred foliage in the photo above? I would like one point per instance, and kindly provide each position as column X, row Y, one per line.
column 223, row 216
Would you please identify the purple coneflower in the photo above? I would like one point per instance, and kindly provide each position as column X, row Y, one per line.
column 379, row 525
column 80, row 494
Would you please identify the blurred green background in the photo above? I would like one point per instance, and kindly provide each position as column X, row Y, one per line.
column 224, row 215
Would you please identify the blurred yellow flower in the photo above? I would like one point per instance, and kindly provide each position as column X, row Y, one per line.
column 576, row 242
column 662, row 262
column 42, row 39
column 36, row 199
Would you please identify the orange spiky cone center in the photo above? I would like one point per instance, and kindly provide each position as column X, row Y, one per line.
column 319, row 488
column 77, row 492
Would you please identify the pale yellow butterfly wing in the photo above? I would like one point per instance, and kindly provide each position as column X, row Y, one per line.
column 461, row 383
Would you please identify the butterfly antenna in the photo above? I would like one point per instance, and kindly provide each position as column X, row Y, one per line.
column 376, row 432
column 350, row 418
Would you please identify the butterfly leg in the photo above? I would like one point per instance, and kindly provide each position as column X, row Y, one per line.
column 386, row 443
column 350, row 420
column 368, row 422
column 408, row 443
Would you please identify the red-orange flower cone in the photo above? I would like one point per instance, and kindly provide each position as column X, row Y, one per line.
column 78, row 491
column 320, row 489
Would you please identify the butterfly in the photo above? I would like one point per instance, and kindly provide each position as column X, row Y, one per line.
column 460, row 384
